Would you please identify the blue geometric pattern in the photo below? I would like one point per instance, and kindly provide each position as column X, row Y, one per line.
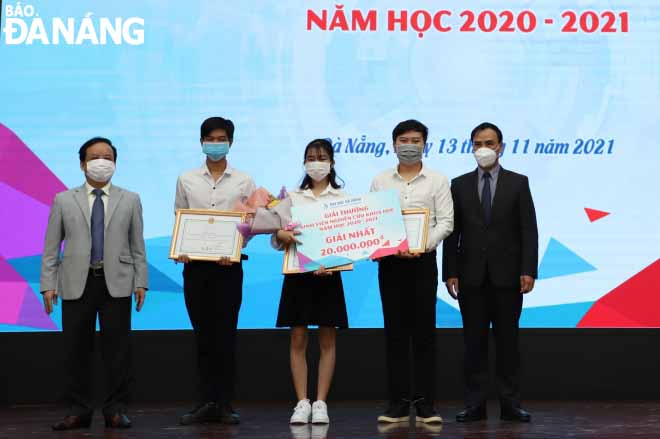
column 559, row 260
column 165, row 307
column 554, row 316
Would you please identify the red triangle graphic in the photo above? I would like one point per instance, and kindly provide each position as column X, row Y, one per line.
column 595, row 215
column 633, row 303
column 603, row 316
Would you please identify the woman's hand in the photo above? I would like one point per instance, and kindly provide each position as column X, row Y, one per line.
column 288, row 237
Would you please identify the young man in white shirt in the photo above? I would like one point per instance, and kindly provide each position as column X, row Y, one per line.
column 409, row 282
column 213, row 290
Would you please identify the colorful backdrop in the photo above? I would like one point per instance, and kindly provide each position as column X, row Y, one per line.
column 574, row 85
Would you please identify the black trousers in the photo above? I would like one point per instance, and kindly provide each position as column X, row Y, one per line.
column 481, row 307
column 408, row 289
column 79, row 327
column 213, row 295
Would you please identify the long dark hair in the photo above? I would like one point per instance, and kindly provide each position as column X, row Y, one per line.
column 326, row 146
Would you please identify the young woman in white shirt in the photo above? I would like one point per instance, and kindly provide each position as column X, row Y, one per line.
column 312, row 299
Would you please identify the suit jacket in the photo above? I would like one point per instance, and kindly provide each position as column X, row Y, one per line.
column 124, row 258
column 507, row 248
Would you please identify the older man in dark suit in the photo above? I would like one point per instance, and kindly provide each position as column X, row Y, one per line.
column 489, row 262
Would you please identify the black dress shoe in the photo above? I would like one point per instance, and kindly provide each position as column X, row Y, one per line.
column 471, row 414
column 426, row 412
column 202, row 413
column 397, row 411
column 515, row 414
column 118, row 420
column 227, row 415
column 73, row 423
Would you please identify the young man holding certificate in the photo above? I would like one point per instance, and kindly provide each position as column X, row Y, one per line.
column 409, row 281
column 213, row 290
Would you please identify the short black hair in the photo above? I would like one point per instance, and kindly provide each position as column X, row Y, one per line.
column 82, row 152
column 410, row 125
column 326, row 146
column 485, row 126
column 217, row 123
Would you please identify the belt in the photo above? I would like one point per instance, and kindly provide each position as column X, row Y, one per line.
column 97, row 269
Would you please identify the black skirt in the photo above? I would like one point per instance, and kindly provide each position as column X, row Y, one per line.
column 312, row 300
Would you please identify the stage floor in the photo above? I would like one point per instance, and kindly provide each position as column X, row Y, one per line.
column 554, row 419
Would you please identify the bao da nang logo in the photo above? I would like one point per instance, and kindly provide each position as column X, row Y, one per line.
column 23, row 25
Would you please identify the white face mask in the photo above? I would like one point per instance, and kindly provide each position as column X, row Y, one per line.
column 317, row 170
column 486, row 157
column 100, row 170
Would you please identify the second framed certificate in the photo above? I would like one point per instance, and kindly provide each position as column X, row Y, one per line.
column 416, row 222
column 207, row 235
column 291, row 265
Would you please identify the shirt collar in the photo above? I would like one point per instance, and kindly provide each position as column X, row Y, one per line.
column 309, row 194
column 422, row 172
column 89, row 188
column 493, row 172
column 205, row 170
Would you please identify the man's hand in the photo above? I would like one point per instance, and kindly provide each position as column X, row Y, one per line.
column 526, row 284
column 140, row 295
column 286, row 237
column 50, row 299
column 322, row 272
column 224, row 261
column 452, row 287
column 183, row 259
column 407, row 255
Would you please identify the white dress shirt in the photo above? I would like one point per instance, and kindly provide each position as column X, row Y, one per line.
column 196, row 189
column 302, row 197
column 91, row 197
column 428, row 189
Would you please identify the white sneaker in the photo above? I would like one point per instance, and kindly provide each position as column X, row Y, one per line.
column 300, row 431
column 320, row 413
column 320, row 431
column 301, row 412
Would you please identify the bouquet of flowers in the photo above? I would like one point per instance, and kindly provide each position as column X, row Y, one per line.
column 266, row 213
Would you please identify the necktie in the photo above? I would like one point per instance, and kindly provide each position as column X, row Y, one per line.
column 485, row 197
column 98, row 224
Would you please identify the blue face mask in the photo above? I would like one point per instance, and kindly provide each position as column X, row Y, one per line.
column 215, row 151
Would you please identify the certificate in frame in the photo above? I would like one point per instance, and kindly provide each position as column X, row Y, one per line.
column 207, row 235
column 416, row 222
column 290, row 263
